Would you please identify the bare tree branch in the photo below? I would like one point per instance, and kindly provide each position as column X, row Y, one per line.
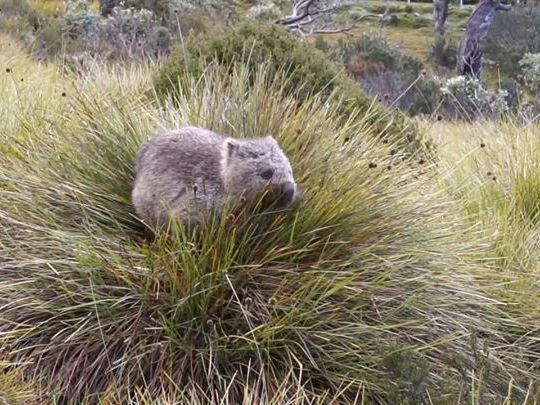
column 305, row 17
column 313, row 31
column 299, row 12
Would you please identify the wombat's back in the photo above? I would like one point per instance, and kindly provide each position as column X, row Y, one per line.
column 178, row 170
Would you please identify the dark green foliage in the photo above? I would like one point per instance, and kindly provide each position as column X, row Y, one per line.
column 513, row 34
column 421, row 22
column 18, row 18
column 23, row 17
column 405, row 365
column 14, row 7
column 443, row 52
column 386, row 72
column 513, row 88
column 106, row 6
column 424, row 97
column 309, row 72
column 159, row 7
column 394, row 20
column 376, row 50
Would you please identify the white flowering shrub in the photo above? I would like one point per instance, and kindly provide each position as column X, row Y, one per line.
column 471, row 99
column 134, row 33
column 126, row 32
column 205, row 5
column 265, row 10
column 530, row 67
column 79, row 18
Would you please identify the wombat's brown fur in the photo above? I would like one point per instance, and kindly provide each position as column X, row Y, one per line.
column 190, row 169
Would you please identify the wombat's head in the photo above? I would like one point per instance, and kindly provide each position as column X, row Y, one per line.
column 250, row 166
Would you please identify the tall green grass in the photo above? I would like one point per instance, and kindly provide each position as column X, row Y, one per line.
column 492, row 169
column 370, row 290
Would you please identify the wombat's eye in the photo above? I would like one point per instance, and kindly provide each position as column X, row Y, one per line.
column 267, row 174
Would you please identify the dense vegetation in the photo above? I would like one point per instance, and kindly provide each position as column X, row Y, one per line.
column 308, row 72
column 400, row 277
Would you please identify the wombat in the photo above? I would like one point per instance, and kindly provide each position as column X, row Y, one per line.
column 189, row 170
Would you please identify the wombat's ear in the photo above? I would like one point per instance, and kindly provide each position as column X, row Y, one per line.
column 271, row 140
column 231, row 147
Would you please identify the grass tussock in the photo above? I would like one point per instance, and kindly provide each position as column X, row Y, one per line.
column 494, row 173
column 369, row 290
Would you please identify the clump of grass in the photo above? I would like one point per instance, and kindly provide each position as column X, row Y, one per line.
column 14, row 390
column 363, row 291
column 496, row 182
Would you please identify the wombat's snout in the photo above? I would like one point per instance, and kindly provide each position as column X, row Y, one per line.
column 288, row 194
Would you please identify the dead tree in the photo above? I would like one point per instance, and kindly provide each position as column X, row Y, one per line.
column 470, row 50
column 440, row 14
column 310, row 17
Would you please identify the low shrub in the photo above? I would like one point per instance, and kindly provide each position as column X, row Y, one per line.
column 421, row 22
column 396, row 79
column 443, row 52
column 530, row 66
column 14, row 8
column 127, row 33
column 265, row 11
column 42, row 34
column 79, row 19
column 18, row 18
column 309, row 72
column 470, row 99
column 512, row 35
column 377, row 50
column 513, row 90
column 167, row 11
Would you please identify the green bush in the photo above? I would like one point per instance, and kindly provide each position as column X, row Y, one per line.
column 471, row 100
column 309, row 72
column 513, row 90
column 377, row 50
column 42, row 34
column 443, row 52
column 18, row 17
column 386, row 72
column 14, row 7
column 167, row 11
column 530, row 66
column 421, row 22
column 513, row 34
column 160, row 8
column 394, row 20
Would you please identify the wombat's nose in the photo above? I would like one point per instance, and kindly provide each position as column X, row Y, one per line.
column 288, row 191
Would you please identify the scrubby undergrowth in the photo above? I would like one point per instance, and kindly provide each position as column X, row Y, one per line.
column 371, row 289
column 309, row 72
